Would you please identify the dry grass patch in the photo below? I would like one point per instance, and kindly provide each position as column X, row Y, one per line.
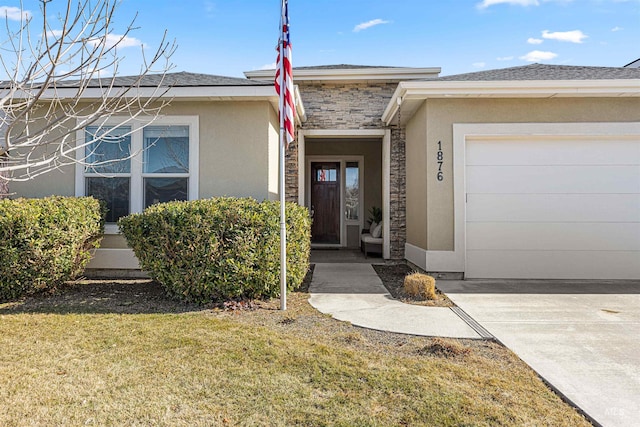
column 393, row 278
column 420, row 286
column 76, row 358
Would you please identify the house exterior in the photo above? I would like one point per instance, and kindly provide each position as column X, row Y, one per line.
column 525, row 172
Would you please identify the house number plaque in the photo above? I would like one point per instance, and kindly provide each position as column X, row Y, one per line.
column 440, row 158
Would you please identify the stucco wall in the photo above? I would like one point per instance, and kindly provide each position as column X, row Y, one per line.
column 237, row 145
column 274, row 154
column 441, row 114
column 234, row 147
column 57, row 182
column 416, row 151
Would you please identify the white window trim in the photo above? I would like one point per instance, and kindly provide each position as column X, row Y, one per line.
column 137, row 176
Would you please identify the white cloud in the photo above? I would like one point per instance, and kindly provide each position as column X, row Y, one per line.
column 119, row 39
column 614, row 29
column 209, row 9
column 271, row 66
column 54, row 33
column 575, row 36
column 532, row 40
column 112, row 39
column 505, row 58
column 14, row 13
column 369, row 24
column 538, row 55
column 479, row 64
column 487, row 3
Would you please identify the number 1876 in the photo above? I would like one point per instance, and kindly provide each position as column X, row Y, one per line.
column 440, row 158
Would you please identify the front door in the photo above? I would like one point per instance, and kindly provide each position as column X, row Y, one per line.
column 325, row 202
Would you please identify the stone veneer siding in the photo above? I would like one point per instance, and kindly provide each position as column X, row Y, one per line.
column 352, row 106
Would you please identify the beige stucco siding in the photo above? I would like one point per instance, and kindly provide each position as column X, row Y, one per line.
column 58, row 182
column 372, row 152
column 441, row 114
column 416, row 152
column 234, row 147
column 274, row 154
column 237, row 142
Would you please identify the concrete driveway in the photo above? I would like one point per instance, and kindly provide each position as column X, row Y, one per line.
column 582, row 337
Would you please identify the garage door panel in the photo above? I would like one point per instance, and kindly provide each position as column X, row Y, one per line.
column 553, row 179
column 554, row 236
column 531, row 151
column 552, row 265
column 553, row 208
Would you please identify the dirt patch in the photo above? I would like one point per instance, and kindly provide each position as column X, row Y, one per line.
column 392, row 276
column 445, row 347
column 136, row 296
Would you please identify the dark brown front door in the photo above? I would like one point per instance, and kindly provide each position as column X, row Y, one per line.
column 325, row 202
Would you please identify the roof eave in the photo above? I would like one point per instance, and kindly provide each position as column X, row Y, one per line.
column 416, row 92
column 183, row 93
column 352, row 74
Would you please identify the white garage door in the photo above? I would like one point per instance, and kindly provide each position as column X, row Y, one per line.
column 562, row 207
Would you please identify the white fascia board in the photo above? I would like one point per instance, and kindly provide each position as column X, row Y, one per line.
column 344, row 133
column 301, row 113
column 509, row 89
column 198, row 93
column 352, row 74
column 206, row 92
column 394, row 103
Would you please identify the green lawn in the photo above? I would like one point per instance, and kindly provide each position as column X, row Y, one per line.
column 130, row 357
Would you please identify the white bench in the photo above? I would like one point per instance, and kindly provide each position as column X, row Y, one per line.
column 370, row 244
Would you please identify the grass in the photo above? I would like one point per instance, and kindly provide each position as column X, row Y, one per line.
column 122, row 354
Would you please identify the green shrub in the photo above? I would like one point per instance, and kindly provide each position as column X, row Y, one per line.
column 44, row 242
column 219, row 249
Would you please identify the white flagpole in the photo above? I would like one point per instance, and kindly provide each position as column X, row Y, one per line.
column 281, row 173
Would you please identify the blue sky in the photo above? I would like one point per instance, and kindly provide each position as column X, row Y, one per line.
column 229, row 37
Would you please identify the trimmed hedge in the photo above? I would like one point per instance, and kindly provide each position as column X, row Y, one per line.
column 219, row 249
column 45, row 242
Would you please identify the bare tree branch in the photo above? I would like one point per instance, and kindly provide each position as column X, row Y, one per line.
column 63, row 79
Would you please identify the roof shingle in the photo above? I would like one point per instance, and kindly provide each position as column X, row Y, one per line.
column 547, row 72
column 179, row 79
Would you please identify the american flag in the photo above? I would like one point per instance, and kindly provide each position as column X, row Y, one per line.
column 284, row 76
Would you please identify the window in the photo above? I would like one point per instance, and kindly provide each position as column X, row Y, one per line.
column 352, row 190
column 106, row 179
column 166, row 164
column 134, row 166
column 326, row 174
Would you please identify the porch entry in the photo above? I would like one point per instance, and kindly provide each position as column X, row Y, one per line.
column 325, row 202
column 342, row 175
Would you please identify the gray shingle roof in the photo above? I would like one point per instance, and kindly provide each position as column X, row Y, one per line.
column 547, row 72
column 179, row 79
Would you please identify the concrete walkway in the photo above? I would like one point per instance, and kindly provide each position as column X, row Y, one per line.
column 354, row 293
